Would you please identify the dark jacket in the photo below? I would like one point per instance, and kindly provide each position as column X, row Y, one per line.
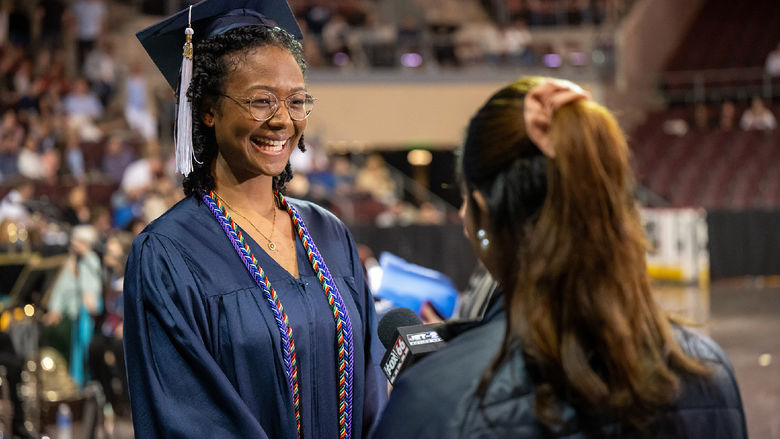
column 435, row 398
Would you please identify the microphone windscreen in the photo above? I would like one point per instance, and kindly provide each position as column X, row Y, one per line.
column 394, row 319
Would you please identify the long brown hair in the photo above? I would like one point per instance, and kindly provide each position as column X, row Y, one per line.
column 572, row 262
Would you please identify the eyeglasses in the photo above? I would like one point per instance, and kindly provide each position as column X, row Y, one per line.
column 263, row 106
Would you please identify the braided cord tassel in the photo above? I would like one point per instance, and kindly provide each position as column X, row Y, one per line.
column 341, row 317
column 250, row 262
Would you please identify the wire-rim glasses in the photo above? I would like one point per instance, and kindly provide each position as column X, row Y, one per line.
column 264, row 105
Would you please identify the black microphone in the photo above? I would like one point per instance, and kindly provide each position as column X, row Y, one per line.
column 406, row 339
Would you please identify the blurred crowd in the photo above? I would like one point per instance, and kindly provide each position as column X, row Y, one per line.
column 725, row 116
column 444, row 33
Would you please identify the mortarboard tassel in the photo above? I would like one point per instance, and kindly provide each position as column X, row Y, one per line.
column 184, row 149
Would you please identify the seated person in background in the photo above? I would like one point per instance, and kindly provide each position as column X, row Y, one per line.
column 757, row 117
column 83, row 109
column 727, row 116
column 12, row 206
column 106, row 356
column 117, row 158
column 75, row 299
column 578, row 347
column 772, row 64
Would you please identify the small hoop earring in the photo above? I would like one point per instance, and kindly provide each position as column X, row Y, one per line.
column 484, row 242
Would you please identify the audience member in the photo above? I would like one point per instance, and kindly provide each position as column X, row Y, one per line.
column 10, row 128
column 116, row 158
column 106, row 356
column 701, row 116
column 83, row 108
column 90, row 20
column 31, row 162
column 758, row 117
column 50, row 15
column 517, row 39
column 336, row 41
column 11, row 137
column 76, row 210
column 139, row 108
column 82, row 101
column 73, row 158
column 728, row 114
column 375, row 178
column 12, row 206
column 772, row 65
column 76, row 299
column 22, row 79
column 101, row 70
column 140, row 174
column 138, row 178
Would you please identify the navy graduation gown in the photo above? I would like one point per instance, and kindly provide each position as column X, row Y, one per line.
column 203, row 350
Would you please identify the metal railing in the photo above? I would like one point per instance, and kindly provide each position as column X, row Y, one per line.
column 712, row 85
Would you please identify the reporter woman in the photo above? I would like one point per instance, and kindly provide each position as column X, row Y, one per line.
column 576, row 347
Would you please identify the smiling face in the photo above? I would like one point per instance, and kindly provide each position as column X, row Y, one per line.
column 248, row 148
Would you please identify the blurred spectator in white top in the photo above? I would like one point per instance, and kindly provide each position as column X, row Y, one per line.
column 773, row 62
column 516, row 41
column 139, row 111
column 30, row 162
column 90, row 20
column 141, row 174
column 39, row 159
column 493, row 44
column 758, row 117
column 469, row 40
column 12, row 206
column 138, row 179
column 22, row 80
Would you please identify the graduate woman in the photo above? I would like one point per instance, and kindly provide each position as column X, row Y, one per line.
column 246, row 312
column 578, row 348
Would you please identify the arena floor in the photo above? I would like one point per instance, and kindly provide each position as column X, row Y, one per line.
column 745, row 321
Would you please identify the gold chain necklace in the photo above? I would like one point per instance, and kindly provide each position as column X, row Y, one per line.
column 271, row 243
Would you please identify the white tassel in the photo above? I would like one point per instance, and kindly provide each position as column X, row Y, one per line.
column 184, row 149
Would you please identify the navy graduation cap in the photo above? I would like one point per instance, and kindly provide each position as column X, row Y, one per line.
column 172, row 38
column 163, row 41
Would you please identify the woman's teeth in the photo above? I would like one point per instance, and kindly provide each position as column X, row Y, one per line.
column 269, row 145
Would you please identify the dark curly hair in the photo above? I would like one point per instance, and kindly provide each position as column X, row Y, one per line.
column 211, row 66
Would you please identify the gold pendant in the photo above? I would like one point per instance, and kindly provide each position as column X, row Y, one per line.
column 271, row 245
